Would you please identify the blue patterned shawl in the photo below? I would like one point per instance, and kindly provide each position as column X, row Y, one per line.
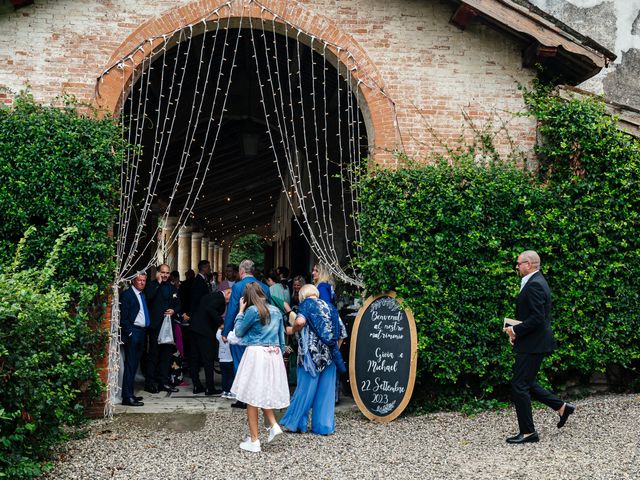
column 323, row 320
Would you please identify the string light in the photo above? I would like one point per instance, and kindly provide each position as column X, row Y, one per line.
column 293, row 157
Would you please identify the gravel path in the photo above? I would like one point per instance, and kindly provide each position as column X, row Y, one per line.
column 601, row 441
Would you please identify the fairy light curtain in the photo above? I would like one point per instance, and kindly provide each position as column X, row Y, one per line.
column 311, row 117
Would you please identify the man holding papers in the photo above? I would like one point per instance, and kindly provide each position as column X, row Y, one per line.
column 532, row 339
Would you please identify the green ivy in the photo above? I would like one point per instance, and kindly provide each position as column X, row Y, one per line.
column 59, row 171
column 445, row 236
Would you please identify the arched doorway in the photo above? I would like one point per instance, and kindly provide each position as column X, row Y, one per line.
column 242, row 130
column 241, row 124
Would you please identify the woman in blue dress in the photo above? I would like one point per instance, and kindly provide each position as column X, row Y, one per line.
column 319, row 332
column 323, row 280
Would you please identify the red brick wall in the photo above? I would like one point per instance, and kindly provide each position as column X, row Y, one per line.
column 432, row 71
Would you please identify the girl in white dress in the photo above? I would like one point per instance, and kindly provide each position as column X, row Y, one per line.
column 261, row 379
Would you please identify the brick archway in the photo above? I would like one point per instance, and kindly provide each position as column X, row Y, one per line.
column 377, row 108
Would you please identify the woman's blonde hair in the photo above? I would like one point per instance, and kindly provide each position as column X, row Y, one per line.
column 324, row 274
column 306, row 291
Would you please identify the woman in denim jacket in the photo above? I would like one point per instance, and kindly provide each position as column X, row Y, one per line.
column 261, row 379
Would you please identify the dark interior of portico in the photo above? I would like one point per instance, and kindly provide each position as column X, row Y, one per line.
column 222, row 114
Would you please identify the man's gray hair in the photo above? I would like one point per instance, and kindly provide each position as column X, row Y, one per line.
column 531, row 256
column 247, row 265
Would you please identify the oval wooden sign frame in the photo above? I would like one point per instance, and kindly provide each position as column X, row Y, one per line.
column 413, row 359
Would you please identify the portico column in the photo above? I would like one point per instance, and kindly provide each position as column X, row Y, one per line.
column 171, row 248
column 221, row 255
column 196, row 247
column 215, row 256
column 204, row 250
column 184, row 251
column 211, row 257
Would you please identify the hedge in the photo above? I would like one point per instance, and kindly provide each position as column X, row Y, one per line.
column 445, row 236
column 58, row 169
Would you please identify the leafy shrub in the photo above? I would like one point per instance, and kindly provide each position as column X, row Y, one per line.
column 445, row 237
column 590, row 168
column 43, row 364
column 58, row 169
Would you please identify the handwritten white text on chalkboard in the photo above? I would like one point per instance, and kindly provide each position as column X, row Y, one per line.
column 387, row 326
column 383, row 362
column 381, row 385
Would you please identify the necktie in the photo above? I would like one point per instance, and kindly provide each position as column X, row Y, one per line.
column 146, row 310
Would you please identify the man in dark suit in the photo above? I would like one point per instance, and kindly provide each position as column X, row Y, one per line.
column 532, row 340
column 199, row 288
column 185, row 291
column 162, row 298
column 204, row 324
column 134, row 319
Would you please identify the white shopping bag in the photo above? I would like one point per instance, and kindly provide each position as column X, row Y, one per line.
column 166, row 332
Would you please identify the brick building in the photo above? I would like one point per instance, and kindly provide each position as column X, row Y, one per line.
column 421, row 73
column 436, row 65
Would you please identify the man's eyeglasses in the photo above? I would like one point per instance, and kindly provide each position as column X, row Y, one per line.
column 520, row 263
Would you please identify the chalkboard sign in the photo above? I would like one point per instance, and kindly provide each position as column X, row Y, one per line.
column 383, row 356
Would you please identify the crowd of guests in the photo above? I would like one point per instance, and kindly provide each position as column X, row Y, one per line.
column 253, row 326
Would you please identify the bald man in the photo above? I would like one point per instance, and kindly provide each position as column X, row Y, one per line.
column 532, row 340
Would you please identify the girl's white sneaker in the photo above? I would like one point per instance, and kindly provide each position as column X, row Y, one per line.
column 274, row 431
column 250, row 446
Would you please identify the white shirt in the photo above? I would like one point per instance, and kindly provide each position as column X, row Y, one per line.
column 224, row 353
column 139, row 321
column 525, row 279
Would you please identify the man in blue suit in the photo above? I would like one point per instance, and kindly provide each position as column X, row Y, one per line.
column 134, row 319
column 246, row 272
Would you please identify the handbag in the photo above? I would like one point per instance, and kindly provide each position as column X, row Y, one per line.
column 165, row 337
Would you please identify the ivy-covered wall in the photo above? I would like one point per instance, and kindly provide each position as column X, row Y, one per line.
column 59, row 173
column 445, row 237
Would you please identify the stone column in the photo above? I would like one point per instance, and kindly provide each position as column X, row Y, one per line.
column 196, row 247
column 215, row 264
column 184, row 251
column 204, row 250
column 170, row 248
column 221, row 255
column 211, row 257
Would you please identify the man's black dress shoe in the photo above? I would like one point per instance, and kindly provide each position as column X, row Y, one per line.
column 213, row 393
column 239, row 404
column 198, row 389
column 568, row 410
column 132, row 402
column 169, row 388
column 151, row 389
column 520, row 438
column 138, row 399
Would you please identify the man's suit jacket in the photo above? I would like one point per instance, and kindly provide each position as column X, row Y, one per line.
column 160, row 297
column 199, row 289
column 208, row 317
column 533, row 309
column 129, row 308
column 234, row 302
column 185, row 295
